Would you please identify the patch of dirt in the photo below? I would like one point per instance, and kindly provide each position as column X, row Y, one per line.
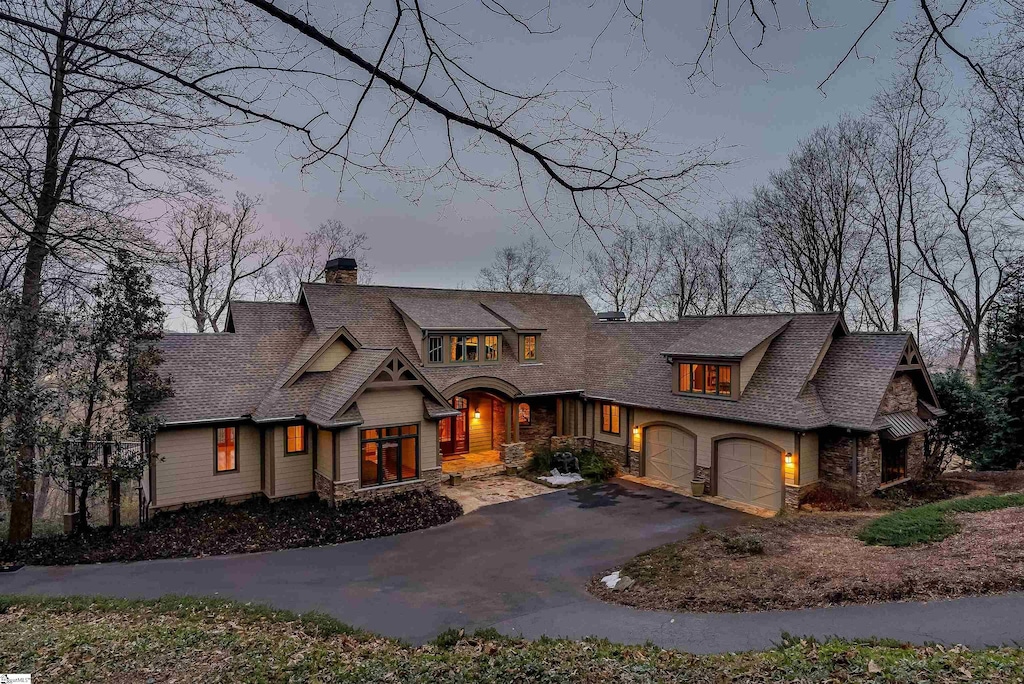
column 991, row 482
column 255, row 525
column 913, row 493
column 816, row 560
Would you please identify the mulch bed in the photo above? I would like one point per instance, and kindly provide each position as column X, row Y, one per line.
column 255, row 525
column 815, row 559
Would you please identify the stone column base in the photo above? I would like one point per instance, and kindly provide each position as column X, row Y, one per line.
column 513, row 455
column 796, row 493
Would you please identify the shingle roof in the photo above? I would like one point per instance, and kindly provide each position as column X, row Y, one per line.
column 225, row 375
column 854, row 375
column 432, row 313
column 245, row 373
column 726, row 336
column 516, row 317
column 626, row 365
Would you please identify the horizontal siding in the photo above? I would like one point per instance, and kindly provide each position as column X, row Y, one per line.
column 331, row 357
column 387, row 407
column 293, row 474
column 480, row 437
column 185, row 463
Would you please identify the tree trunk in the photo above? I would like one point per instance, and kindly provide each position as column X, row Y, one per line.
column 25, row 356
column 42, row 498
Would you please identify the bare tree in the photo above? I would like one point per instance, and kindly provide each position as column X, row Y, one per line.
column 812, row 237
column 84, row 136
column 970, row 246
column 214, row 255
column 622, row 276
column 525, row 267
column 894, row 167
column 684, row 288
column 304, row 261
column 736, row 269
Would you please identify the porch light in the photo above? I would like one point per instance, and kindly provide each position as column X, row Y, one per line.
column 476, row 414
column 789, row 458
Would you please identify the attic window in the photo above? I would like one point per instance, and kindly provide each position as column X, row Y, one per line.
column 529, row 347
column 435, row 349
column 706, row 378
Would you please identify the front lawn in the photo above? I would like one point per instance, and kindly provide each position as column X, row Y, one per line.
column 817, row 559
column 255, row 525
column 931, row 523
column 204, row 640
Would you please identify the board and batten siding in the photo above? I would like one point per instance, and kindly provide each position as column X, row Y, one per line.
column 324, row 452
column 293, row 473
column 382, row 407
column 808, row 458
column 185, row 466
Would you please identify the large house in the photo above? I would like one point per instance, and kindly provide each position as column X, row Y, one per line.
column 363, row 391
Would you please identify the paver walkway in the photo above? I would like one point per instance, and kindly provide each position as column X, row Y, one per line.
column 521, row 567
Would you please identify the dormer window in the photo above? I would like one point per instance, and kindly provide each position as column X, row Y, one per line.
column 435, row 349
column 706, row 379
column 529, row 347
column 442, row 349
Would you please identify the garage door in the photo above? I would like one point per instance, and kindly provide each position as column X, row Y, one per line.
column 669, row 455
column 750, row 472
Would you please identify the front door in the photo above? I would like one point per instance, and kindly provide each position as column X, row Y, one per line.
column 453, row 433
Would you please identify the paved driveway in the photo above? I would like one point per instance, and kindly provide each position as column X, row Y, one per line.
column 521, row 567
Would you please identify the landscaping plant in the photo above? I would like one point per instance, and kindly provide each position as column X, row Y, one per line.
column 931, row 522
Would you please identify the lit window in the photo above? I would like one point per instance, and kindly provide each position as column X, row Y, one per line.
column 389, row 455
column 529, row 347
column 700, row 378
column 296, row 439
column 610, row 419
column 458, row 349
column 725, row 380
column 491, row 348
column 684, row 377
column 227, row 452
column 435, row 349
column 472, row 344
column 524, row 414
column 697, row 375
column 711, row 373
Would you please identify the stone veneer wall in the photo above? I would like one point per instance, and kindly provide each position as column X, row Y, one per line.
column 900, row 395
column 324, row 487
column 538, row 433
column 513, row 455
column 430, row 480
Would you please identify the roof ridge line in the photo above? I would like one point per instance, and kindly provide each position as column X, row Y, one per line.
column 453, row 289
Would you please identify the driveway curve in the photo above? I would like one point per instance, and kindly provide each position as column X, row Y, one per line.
column 520, row 567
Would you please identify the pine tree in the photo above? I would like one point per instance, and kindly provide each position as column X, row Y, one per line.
column 1002, row 379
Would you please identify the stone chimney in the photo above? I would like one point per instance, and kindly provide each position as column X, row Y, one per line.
column 341, row 271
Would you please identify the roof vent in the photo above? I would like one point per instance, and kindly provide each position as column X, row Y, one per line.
column 611, row 316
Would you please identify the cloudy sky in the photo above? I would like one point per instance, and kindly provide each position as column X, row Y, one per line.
column 444, row 238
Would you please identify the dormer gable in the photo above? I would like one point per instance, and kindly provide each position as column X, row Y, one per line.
column 327, row 355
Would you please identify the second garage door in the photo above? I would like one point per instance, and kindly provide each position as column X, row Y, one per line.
column 670, row 454
column 750, row 472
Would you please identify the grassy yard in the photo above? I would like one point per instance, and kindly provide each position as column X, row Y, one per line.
column 960, row 547
column 201, row 640
column 931, row 522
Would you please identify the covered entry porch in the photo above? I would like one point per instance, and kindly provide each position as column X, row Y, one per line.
column 483, row 439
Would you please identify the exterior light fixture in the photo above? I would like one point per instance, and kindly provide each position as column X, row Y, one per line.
column 476, row 414
column 789, row 458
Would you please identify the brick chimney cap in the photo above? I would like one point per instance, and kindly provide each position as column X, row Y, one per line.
column 342, row 264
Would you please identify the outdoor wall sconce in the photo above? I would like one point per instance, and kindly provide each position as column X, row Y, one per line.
column 789, row 458
column 476, row 414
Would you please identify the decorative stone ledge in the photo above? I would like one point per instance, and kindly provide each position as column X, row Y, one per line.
column 429, row 480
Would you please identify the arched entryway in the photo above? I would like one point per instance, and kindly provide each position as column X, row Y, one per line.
column 474, row 439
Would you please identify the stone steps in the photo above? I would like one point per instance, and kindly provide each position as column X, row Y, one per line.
column 473, row 473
